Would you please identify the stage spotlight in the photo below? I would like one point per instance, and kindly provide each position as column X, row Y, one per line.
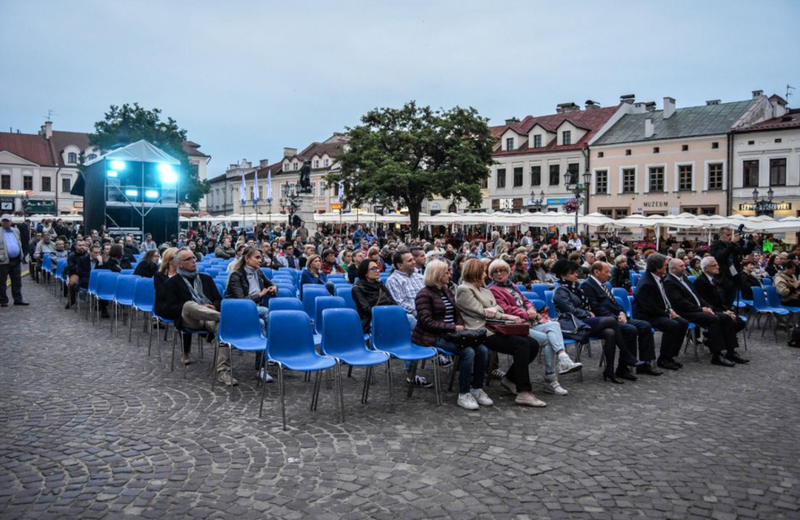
column 131, row 193
column 168, row 174
column 151, row 194
column 112, row 173
column 118, row 165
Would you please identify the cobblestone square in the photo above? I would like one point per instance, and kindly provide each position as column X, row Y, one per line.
column 91, row 427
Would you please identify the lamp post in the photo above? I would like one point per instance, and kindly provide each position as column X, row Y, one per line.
column 579, row 189
column 288, row 200
column 760, row 205
column 537, row 204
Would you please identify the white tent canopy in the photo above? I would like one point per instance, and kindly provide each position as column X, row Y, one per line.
column 140, row 151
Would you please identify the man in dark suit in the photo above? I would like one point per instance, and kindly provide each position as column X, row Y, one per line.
column 728, row 255
column 650, row 303
column 603, row 303
column 193, row 301
column 709, row 286
column 693, row 307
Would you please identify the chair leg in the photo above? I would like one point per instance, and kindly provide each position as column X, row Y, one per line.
column 390, row 383
column 413, row 378
column 264, row 384
column 130, row 325
column 282, row 391
column 315, row 391
column 214, row 364
column 158, row 327
column 365, row 388
column 341, row 389
column 230, row 360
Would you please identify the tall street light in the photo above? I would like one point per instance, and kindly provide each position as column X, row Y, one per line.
column 579, row 190
column 762, row 205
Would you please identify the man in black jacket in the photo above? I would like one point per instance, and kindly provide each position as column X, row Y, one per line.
column 693, row 307
column 603, row 303
column 728, row 254
column 193, row 301
column 650, row 303
column 709, row 286
column 77, row 271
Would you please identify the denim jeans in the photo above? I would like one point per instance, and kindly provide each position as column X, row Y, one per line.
column 472, row 369
column 548, row 336
column 412, row 324
column 263, row 317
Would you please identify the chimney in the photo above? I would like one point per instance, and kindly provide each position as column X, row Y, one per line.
column 512, row 121
column 649, row 129
column 669, row 107
column 263, row 163
column 567, row 107
column 289, row 152
column 650, row 106
column 591, row 105
column 757, row 93
column 627, row 98
column 47, row 130
column 712, row 102
column 778, row 105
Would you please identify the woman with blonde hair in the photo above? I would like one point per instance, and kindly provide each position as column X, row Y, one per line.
column 477, row 304
column 312, row 274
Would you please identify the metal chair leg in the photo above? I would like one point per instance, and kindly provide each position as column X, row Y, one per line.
column 282, row 391
column 390, row 383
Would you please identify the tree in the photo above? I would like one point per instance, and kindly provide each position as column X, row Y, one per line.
column 130, row 123
column 404, row 156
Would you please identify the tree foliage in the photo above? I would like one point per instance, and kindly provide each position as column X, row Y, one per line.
column 130, row 123
column 400, row 157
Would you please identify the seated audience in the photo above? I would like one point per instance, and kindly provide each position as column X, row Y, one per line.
column 148, row 265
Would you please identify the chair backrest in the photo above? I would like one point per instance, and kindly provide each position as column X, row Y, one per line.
column 213, row 271
column 630, row 307
column 280, row 303
column 635, row 277
column 107, row 284
column 335, row 276
column 220, row 288
column 125, row 287
column 267, row 272
column 60, row 265
column 309, row 295
column 238, row 320
column 47, row 262
column 346, row 292
column 624, row 303
column 384, row 277
column 619, row 291
column 93, row 275
column 766, row 281
column 691, row 278
column 390, row 327
column 538, row 304
column 326, row 302
column 343, row 333
column 283, row 292
column 530, row 296
column 289, row 335
column 773, row 298
column 539, row 289
column 548, row 297
column 760, row 301
column 144, row 295
column 126, row 271
column 521, row 287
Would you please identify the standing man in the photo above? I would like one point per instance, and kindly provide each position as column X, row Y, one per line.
column 728, row 254
column 10, row 262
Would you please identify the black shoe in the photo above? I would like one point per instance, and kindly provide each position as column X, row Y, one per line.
column 650, row 370
column 721, row 361
column 667, row 364
column 733, row 356
column 625, row 373
column 677, row 363
column 614, row 379
column 21, row 303
column 3, row 304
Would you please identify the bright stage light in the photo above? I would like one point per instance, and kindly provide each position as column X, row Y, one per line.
column 151, row 194
column 118, row 165
column 168, row 174
column 112, row 173
column 131, row 193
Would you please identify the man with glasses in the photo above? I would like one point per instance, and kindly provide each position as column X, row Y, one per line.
column 728, row 255
column 193, row 301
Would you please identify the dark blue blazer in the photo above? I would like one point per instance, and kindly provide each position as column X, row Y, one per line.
column 598, row 299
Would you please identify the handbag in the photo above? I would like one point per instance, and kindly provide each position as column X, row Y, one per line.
column 505, row 328
column 572, row 327
column 466, row 338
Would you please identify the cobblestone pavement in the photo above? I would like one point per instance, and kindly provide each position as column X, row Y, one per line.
column 92, row 427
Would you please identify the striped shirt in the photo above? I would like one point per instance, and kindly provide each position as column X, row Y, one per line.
column 450, row 313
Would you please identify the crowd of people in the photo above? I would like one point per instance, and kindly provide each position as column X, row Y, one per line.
column 453, row 289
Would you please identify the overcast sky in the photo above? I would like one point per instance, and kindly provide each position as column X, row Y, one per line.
column 247, row 78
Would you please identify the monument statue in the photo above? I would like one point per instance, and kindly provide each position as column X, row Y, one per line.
column 305, row 177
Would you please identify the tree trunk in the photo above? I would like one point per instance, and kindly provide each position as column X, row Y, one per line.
column 413, row 213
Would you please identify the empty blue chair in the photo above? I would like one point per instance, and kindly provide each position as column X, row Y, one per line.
column 267, row 272
column 346, row 292
column 691, row 278
column 548, row 298
column 283, row 292
column 126, row 271
column 213, row 272
column 766, row 281
column 220, row 287
column 326, row 302
column 530, row 296
column 342, row 339
column 285, row 304
column 309, row 295
column 625, row 304
column 774, row 300
column 761, row 306
column 336, row 276
column 123, row 295
column 61, row 264
column 290, row 344
column 521, row 287
column 390, row 333
column 539, row 289
column 240, row 328
column 144, row 299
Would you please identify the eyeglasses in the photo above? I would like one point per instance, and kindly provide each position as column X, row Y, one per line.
column 373, row 269
column 190, row 259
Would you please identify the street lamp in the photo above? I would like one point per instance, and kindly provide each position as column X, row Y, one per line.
column 537, row 204
column 579, row 189
column 288, row 200
column 761, row 205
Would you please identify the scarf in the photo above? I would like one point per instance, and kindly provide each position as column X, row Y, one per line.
column 512, row 289
column 195, row 286
column 577, row 291
column 252, row 278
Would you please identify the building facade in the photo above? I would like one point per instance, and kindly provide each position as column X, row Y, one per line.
column 669, row 161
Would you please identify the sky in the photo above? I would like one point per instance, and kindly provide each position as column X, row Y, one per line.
column 248, row 78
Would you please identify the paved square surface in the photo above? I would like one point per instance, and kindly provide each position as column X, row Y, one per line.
column 91, row 427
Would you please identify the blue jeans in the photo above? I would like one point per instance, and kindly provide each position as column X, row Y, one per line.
column 412, row 324
column 473, row 364
column 548, row 336
column 263, row 317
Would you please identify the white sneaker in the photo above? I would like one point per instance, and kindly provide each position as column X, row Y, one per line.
column 481, row 397
column 567, row 366
column 467, row 401
column 264, row 376
column 552, row 386
column 444, row 361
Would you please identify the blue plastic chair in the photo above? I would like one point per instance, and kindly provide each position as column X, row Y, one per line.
column 213, row 272
column 220, row 287
column 126, row 271
column 59, row 277
column 322, row 303
column 240, row 328
column 123, row 295
column 267, row 272
column 390, row 333
column 144, row 299
column 761, row 307
column 285, row 304
column 291, row 345
column 283, row 292
column 309, row 295
column 347, row 294
column 691, row 278
column 336, row 276
column 47, row 265
column 539, row 289
column 774, row 300
column 548, row 298
column 106, row 287
column 624, row 303
column 342, row 339
column 766, row 281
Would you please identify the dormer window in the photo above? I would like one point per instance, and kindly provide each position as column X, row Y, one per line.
column 325, row 163
column 294, row 165
column 566, row 137
column 316, row 163
column 537, row 141
column 72, row 158
column 510, row 144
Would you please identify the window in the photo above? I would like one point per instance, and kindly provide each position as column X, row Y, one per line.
column 614, row 212
column 47, row 184
column 510, row 143
column 518, row 177
column 5, row 182
column 600, row 155
column 572, row 173
column 555, row 174
column 657, row 178
column 27, row 183
column 601, row 181
column 72, row 158
column 628, row 151
column 778, row 140
column 92, row 156
column 621, row 213
column 715, row 176
column 537, row 141
column 566, row 137
column 536, row 175
column 777, row 172
column 628, row 180
column 484, row 183
column 501, row 177
column 751, row 143
column 495, row 204
column 295, row 165
column 685, row 177
column 325, row 163
column 316, row 163
column 684, row 147
column 750, row 174
column 656, row 149
column 714, row 145
column 702, row 210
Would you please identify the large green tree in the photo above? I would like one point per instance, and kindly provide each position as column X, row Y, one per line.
column 130, row 123
column 400, row 157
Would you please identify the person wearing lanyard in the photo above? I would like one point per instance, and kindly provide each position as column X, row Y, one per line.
column 10, row 262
